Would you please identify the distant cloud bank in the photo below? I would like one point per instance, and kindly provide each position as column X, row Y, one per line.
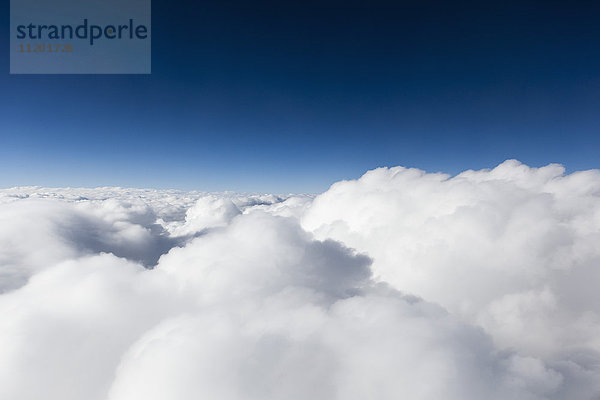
column 400, row 284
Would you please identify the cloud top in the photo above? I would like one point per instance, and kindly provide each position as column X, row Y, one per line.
column 401, row 283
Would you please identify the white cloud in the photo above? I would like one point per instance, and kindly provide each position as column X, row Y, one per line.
column 271, row 297
column 515, row 249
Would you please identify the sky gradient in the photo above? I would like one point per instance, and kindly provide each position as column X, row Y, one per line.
column 292, row 96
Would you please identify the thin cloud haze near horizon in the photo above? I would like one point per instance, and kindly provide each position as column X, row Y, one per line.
column 399, row 284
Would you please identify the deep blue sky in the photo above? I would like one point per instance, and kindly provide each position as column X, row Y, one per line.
column 291, row 96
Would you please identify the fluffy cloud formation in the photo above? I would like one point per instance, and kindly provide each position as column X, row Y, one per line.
column 398, row 284
column 515, row 250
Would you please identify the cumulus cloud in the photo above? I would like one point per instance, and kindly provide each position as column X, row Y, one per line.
column 398, row 284
column 514, row 249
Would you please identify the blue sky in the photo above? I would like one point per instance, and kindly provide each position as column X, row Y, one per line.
column 290, row 97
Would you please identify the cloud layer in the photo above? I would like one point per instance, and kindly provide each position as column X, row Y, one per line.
column 401, row 284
